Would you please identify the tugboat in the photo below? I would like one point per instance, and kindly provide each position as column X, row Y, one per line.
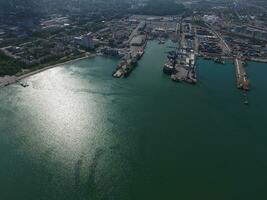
column 245, row 98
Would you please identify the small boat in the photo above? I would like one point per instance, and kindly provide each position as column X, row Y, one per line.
column 161, row 41
column 207, row 57
column 219, row 60
column 24, row 84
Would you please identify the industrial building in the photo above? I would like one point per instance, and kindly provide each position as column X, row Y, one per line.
column 138, row 40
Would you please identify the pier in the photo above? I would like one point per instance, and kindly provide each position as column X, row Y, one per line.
column 185, row 70
column 241, row 75
column 137, row 43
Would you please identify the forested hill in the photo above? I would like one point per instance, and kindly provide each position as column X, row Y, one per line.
column 29, row 7
column 162, row 7
column 59, row 5
column 21, row 7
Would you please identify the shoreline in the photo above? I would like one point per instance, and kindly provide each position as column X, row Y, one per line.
column 258, row 60
column 9, row 80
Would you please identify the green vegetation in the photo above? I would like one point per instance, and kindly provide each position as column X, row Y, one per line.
column 9, row 66
column 163, row 8
column 13, row 41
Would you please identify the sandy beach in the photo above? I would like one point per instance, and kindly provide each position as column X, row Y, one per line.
column 7, row 80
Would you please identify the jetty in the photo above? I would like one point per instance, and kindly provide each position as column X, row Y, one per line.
column 241, row 75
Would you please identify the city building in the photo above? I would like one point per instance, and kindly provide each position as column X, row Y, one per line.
column 85, row 41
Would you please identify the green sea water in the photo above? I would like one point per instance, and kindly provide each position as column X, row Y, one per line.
column 76, row 133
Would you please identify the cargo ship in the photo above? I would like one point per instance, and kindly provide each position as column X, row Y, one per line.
column 131, row 64
column 168, row 67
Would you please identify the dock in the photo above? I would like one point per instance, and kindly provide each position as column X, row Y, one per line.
column 184, row 74
column 241, row 75
column 181, row 66
column 185, row 71
column 23, row 84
